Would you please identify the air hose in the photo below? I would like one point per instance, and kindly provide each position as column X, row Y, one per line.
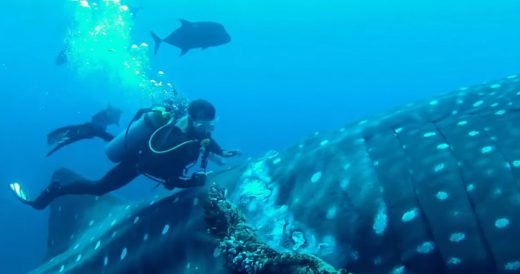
column 150, row 141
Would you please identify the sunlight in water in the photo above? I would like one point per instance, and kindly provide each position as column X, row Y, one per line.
column 99, row 44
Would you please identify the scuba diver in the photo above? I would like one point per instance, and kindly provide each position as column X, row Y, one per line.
column 155, row 144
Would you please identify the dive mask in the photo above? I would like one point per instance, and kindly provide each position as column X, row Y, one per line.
column 204, row 125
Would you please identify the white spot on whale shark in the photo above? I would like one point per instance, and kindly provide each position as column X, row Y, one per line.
column 439, row 167
column 331, row 212
column 398, row 270
column 470, row 187
column 457, row 237
column 165, row 229
column 501, row 223
column 123, row 254
column 473, row 133
column 429, row 134
column 512, row 266
column 425, row 248
column 486, row 149
column 381, row 220
column 409, row 215
column 442, row 146
column 316, row 177
column 442, row 195
column 462, row 123
column 500, row 112
column 454, row 261
column 344, row 183
column 478, row 103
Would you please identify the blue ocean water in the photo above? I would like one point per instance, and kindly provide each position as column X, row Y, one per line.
column 292, row 68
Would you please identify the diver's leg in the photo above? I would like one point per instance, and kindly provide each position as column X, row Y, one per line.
column 70, row 134
column 67, row 135
column 117, row 177
column 60, row 145
column 58, row 134
column 105, row 136
column 101, row 133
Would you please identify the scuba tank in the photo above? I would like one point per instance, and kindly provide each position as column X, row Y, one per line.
column 138, row 132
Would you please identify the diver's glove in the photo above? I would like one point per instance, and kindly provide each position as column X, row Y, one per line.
column 231, row 153
column 197, row 179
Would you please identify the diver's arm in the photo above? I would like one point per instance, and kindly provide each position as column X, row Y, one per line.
column 231, row 153
column 216, row 159
column 215, row 148
column 197, row 179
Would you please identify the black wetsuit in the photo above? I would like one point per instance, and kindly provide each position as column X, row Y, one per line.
column 169, row 167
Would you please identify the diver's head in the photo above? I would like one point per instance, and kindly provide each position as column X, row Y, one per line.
column 201, row 115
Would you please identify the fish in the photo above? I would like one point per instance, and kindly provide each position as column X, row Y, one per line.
column 191, row 35
column 61, row 58
column 430, row 187
column 108, row 116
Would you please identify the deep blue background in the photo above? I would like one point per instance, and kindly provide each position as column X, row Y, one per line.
column 293, row 67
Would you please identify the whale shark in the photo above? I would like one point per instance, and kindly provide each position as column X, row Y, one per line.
column 430, row 187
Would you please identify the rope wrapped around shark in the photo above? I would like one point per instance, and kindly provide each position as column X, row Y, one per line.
column 243, row 252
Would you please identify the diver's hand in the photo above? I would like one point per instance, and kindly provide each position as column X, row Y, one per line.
column 231, row 153
column 169, row 185
column 216, row 159
column 198, row 178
